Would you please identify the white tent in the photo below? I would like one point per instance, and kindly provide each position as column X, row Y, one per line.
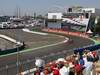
column 89, row 31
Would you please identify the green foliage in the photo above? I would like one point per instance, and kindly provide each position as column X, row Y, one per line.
column 4, row 18
column 36, row 29
column 98, row 22
column 92, row 23
column 97, row 27
column 39, row 17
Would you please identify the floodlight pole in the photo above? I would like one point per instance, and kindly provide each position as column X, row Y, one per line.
column 7, row 69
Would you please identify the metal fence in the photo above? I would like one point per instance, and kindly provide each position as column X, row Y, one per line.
column 11, row 69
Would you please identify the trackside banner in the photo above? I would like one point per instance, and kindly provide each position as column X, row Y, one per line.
column 67, row 32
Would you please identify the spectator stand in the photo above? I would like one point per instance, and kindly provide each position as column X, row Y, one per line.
column 69, row 65
column 84, row 61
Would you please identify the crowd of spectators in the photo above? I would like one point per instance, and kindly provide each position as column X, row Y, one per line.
column 75, row 64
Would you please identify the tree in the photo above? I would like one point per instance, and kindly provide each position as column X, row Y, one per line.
column 40, row 17
column 34, row 15
column 97, row 27
column 91, row 24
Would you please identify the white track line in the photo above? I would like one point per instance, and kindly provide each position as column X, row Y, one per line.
column 9, row 39
column 40, row 33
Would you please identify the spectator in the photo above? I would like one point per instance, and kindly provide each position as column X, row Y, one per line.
column 74, row 64
column 40, row 63
column 81, row 62
column 46, row 72
column 56, row 72
column 71, row 69
column 37, row 72
column 64, row 71
column 95, row 56
column 89, row 57
column 88, row 67
column 42, row 73
column 94, row 53
column 78, row 68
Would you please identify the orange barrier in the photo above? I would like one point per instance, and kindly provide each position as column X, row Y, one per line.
column 98, row 39
column 79, row 34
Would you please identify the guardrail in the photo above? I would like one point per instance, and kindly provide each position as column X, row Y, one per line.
column 91, row 48
column 7, row 51
column 12, row 50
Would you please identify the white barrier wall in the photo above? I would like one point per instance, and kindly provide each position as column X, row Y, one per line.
column 9, row 39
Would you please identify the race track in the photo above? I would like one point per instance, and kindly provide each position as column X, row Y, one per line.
column 5, row 44
column 47, row 53
column 31, row 40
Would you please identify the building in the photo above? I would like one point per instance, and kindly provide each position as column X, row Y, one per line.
column 87, row 12
column 76, row 18
column 92, row 11
column 55, row 15
column 80, row 19
column 54, row 20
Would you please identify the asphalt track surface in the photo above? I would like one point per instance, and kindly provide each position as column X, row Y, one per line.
column 48, row 54
column 31, row 40
column 5, row 44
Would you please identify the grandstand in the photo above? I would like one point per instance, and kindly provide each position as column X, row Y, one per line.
column 68, row 62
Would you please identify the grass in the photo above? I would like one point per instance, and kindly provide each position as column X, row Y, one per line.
column 36, row 29
column 95, row 41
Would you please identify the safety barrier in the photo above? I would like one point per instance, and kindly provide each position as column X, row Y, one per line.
column 91, row 48
column 79, row 34
column 7, row 51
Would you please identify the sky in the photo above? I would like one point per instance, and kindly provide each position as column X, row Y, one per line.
column 8, row 7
